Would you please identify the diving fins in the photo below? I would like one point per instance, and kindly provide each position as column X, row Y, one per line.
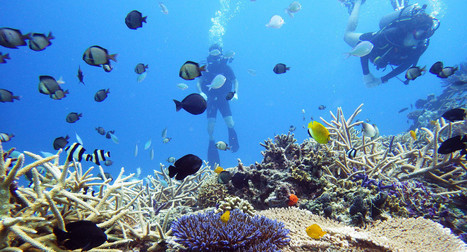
column 233, row 140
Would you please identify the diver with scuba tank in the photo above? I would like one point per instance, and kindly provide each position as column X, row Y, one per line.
column 403, row 37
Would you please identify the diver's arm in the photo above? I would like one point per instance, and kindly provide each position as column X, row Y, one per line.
column 398, row 70
column 365, row 65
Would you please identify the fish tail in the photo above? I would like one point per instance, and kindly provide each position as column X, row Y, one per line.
column 66, row 91
column 178, row 105
column 144, row 19
column 203, row 68
column 287, row 68
column 113, row 57
column 347, row 55
column 50, row 36
column 6, row 56
column 26, row 36
column 16, row 97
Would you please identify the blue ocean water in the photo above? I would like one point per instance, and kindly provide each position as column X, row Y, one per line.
column 310, row 43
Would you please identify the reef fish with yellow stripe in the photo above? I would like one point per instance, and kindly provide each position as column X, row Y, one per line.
column 318, row 132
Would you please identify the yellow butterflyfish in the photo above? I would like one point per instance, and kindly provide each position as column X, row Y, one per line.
column 218, row 169
column 314, row 231
column 318, row 132
column 225, row 216
column 413, row 134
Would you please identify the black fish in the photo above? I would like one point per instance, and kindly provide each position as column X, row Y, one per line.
column 194, row 104
column 403, row 109
column 280, row 68
column 97, row 56
column 135, row 20
column 436, row 68
column 73, row 117
column 457, row 114
column 101, row 95
column 7, row 96
column 322, row 107
column 453, row 144
column 60, row 142
column 80, row 75
column 240, row 180
column 109, row 134
column 81, row 234
column 229, row 96
column 100, row 130
column 292, row 128
column 4, row 57
column 187, row 165
column 141, row 68
column 414, row 72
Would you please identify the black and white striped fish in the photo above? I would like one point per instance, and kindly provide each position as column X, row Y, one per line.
column 77, row 152
column 98, row 156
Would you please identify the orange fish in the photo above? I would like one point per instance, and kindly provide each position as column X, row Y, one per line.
column 293, row 199
column 413, row 134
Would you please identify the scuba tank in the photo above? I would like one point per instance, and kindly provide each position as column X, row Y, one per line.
column 403, row 14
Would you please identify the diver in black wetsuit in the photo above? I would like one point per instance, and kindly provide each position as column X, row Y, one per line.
column 403, row 37
column 216, row 99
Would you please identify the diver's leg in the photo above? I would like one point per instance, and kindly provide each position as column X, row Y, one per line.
column 351, row 37
column 213, row 153
column 224, row 108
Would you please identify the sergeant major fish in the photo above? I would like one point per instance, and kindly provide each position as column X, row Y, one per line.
column 39, row 41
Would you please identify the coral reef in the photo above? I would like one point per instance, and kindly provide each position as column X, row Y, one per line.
column 453, row 96
column 129, row 212
column 235, row 203
column 206, row 232
column 396, row 234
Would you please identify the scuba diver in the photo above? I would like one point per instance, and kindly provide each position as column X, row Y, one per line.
column 403, row 37
column 218, row 97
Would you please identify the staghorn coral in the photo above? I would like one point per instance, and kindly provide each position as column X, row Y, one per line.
column 206, row 232
column 396, row 234
column 65, row 194
column 231, row 203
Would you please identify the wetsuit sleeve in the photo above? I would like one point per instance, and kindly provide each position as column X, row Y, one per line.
column 365, row 65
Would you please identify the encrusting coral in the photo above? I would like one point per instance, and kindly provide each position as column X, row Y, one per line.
column 396, row 234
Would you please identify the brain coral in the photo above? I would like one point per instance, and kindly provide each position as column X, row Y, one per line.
column 206, row 232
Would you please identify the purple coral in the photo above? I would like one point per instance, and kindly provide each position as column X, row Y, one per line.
column 206, row 232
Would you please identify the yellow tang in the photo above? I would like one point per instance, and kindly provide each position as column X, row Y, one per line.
column 225, row 217
column 318, row 132
column 314, row 231
column 218, row 169
column 413, row 134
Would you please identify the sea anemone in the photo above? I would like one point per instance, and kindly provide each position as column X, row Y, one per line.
column 206, row 232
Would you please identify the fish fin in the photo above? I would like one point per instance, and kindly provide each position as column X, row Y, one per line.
column 61, row 81
column 26, row 36
column 6, row 56
column 50, row 36
column 172, row 171
column 178, row 105
column 287, row 68
column 113, row 57
column 203, row 68
column 60, row 234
